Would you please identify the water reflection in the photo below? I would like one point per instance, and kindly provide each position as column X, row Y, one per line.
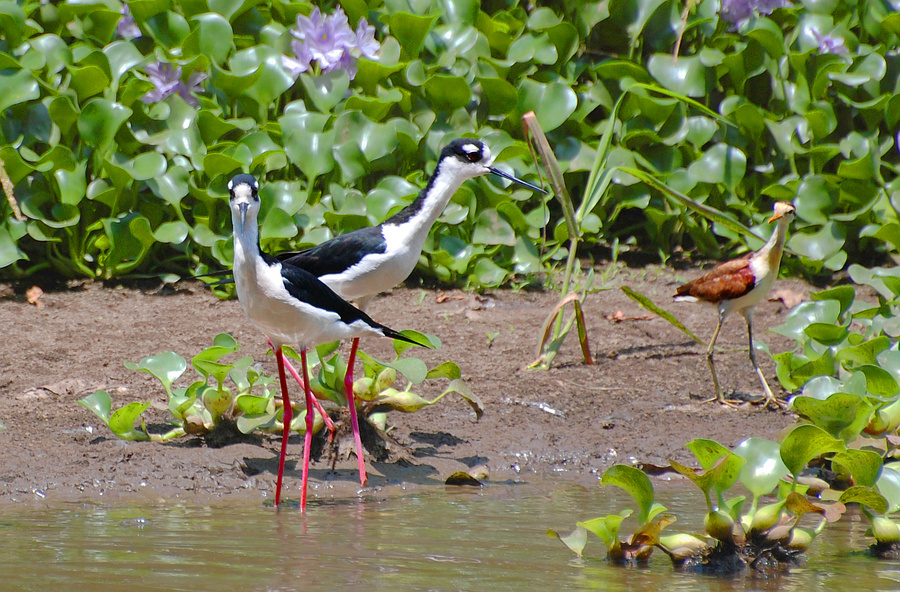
column 437, row 540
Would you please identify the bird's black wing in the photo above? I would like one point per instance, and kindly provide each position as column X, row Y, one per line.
column 338, row 254
column 330, row 257
column 306, row 287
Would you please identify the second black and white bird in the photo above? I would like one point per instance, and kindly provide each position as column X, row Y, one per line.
column 290, row 306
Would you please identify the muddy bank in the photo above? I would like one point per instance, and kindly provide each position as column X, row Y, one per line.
column 641, row 400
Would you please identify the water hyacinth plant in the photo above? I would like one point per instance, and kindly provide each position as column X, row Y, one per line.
column 845, row 370
column 766, row 538
column 238, row 394
column 108, row 185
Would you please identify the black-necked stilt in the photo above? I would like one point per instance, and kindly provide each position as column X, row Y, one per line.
column 361, row 264
column 290, row 306
column 738, row 286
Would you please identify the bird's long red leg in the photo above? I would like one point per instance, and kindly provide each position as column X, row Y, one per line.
column 307, row 441
column 288, row 415
column 348, row 387
column 328, row 423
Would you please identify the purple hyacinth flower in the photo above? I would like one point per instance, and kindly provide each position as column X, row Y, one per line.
column 738, row 11
column 829, row 43
column 329, row 43
column 768, row 6
column 348, row 63
column 166, row 80
column 126, row 27
column 365, row 40
column 326, row 38
column 300, row 62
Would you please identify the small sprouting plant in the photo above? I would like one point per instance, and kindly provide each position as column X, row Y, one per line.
column 375, row 391
column 239, row 393
column 575, row 283
column 735, row 537
column 222, row 389
column 637, row 548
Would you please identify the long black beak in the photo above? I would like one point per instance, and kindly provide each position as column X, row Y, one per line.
column 243, row 209
column 500, row 173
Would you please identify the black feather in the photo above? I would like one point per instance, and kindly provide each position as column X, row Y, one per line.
column 306, row 287
column 338, row 254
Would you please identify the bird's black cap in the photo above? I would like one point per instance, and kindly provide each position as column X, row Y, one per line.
column 468, row 149
column 242, row 179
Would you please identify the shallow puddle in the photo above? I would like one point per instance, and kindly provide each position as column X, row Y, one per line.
column 442, row 539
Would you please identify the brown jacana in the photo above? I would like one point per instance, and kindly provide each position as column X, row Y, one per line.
column 738, row 286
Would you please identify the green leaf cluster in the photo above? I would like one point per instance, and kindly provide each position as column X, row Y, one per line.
column 846, row 367
column 735, row 535
column 240, row 392
column 110, row 186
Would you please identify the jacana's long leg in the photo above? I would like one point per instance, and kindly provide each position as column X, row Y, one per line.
column 307, row 441
column 770, row 397
column 288, row 415
column 328, row 423
column 348, row 387
column 720, row 398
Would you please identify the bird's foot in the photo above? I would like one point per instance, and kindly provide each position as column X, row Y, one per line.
column 770, row 402
column 730, row 404
column 721, row 400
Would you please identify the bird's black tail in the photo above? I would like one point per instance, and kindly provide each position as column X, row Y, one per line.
column 388, row 332
column 225, row 274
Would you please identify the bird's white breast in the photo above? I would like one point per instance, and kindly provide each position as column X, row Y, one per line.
column 765, row 274
column 281, row 317
column 380, row 272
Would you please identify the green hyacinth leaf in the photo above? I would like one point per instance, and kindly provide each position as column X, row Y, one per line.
column 100, row 403
column 804, row 443
column 763, row 469
column 636, row 483
column 99, row 121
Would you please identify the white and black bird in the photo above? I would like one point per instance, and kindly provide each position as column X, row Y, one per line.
column 290, row 306
column 361, row 264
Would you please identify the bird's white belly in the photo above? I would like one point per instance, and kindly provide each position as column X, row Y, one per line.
column 284, row 319
column 376, row 273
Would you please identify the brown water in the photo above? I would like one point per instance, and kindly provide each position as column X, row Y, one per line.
column 443, row 539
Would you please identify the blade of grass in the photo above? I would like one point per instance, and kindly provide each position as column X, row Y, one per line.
column 649, row 305
column 683, row 98
column 702, row 209
column 582, row 334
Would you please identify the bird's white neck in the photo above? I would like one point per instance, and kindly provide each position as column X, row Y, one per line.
column 773, row 249
column 246, row 246
column 419, row 216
